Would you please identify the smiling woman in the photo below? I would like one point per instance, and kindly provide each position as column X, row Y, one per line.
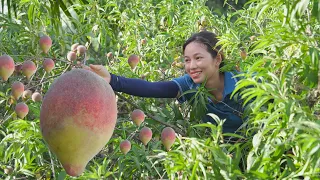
column 203, row 61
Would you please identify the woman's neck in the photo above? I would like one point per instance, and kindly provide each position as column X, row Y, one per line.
column 217, row 86
column 216, row 83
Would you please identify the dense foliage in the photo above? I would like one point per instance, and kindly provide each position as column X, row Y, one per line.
column 279, row 44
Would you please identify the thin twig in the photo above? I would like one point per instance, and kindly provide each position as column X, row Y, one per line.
column 52, row 165
column 153, row 165
column 6, row 119
column 20, row 178
column 31, row 77
column 68, row 62
column 44, row 75
column 42, row 84
column 150, row 115
column 47, row 79
column 132, row 134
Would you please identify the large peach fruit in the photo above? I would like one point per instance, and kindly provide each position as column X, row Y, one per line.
column 77, row 118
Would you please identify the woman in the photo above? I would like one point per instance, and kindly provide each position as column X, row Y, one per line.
column 202, row 63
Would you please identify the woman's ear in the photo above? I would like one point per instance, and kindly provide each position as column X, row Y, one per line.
column 219, row 59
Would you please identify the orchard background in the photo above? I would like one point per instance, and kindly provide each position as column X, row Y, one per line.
column 275, row 42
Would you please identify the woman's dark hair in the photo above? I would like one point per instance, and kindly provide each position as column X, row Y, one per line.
column 210, row 40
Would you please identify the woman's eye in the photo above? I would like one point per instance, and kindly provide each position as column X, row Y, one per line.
column 186, row 60
column 197, row 58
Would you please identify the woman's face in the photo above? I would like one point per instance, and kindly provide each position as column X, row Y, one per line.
column 199, row 63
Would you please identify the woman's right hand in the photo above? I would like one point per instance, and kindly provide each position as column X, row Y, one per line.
column 100, row 70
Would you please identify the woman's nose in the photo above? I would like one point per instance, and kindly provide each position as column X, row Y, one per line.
column 193, row 64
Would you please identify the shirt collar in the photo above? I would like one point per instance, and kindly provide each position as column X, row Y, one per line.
column 229, row 83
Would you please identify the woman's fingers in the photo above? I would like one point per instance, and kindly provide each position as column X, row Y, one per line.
column 86, row 67
column 99, row 69
column 93, row 68
column 96, row 68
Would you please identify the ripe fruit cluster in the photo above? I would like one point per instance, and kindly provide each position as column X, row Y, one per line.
column 17, row 90
column 67, row 119
column 77, row 50
column 168, row 136
column 28, row 68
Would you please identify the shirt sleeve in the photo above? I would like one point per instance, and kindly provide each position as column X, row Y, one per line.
column 142, row 88
column 184, row 83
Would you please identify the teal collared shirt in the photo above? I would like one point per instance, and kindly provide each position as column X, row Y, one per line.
column 228, row 108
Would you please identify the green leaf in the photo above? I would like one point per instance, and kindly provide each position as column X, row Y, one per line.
column 316, row 9
column 31, row 13
column 194, row 170
column 64, row 8
column 233, row 135
column 278, row 152
column 290, row 164
column 259, row 175
column 257, row 138
column 62, row 175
